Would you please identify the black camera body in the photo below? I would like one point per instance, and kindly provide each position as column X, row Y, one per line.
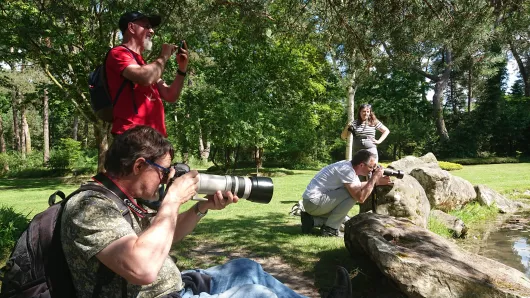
column 254, row 189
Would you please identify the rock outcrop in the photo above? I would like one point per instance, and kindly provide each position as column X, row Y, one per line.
column 409, row 163
column 424, row 264
column 406, row 198
column 444, row 191
column 487, row 196
column 453, row 223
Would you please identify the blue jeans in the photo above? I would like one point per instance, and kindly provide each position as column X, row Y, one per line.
column 242, row 278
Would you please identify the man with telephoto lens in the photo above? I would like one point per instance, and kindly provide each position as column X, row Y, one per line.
column 137, row 87
column 133, row 248
column 336, row 188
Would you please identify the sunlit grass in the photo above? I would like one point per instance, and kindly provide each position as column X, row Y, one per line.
column 504, row 178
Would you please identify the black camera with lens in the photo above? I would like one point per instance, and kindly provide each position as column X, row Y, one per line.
column 393, row 173
column 254, row 189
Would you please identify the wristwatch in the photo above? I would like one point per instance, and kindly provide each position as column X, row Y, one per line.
column 198, row 212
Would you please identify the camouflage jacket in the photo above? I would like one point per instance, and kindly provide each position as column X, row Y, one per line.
column 92, row 221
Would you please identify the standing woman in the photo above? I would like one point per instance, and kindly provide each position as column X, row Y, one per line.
column 363, row 130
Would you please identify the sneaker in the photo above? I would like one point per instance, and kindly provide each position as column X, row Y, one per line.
column 329, row 231
column 342, row 286
column 295, row 210
column 307, row 222
column 343, row 224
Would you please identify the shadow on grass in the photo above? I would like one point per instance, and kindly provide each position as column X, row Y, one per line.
column 43, row 183
column 219, row 240
column 367, row 280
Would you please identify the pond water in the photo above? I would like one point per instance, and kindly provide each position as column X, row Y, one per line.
column 510, row 244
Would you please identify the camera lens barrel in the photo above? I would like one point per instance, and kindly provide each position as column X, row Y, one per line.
column 396, row 173
column 254, row 189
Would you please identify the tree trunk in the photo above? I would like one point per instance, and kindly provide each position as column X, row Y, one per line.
column 75, row 127
column 25, row 130
column 351, row 105
column 454, row 100
column 45, row 128
column 3, row 148
column 439, row 88
column 437, row 98
column 21, row 130
column 85, row 137
column 469, row 88
column 100, row 134
column 522, row 70
column 258, row 157
column 204, row 146
column 16, row 134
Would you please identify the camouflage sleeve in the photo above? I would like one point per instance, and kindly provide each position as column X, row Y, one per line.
column 92, row 222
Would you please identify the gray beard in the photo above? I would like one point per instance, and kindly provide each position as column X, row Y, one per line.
column 148, row 44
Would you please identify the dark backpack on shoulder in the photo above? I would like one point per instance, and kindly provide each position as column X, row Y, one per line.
column 37, row 266
column 98, row 86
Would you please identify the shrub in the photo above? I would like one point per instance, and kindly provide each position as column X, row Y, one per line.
column 66, row 156
column 450, row 166
column 482, row 161
column 12, row 225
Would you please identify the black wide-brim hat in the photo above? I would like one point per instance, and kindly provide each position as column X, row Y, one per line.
column 131, row 16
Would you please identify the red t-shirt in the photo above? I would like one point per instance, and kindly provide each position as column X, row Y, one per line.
column 147, row 99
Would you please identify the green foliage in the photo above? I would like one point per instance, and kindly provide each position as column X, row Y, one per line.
column 16, row 163
column 12, row 224
column 449, row 166
column 397, row 101
column 474, row 213
column 66, row 156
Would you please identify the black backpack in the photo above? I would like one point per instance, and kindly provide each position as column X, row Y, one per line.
column 37, row 266
column 100, row 99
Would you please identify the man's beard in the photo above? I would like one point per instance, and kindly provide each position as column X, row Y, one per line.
column 148, row 44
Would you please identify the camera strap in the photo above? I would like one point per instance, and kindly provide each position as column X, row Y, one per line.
column 113, row 187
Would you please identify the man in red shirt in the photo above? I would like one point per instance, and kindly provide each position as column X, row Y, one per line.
column 140, row 98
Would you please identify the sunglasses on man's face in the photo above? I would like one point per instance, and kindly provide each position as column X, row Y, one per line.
column 371, row 168
column 165, row 171
column 146, row 26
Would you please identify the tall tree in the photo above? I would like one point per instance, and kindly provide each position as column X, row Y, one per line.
column 443, row 33
column 45, row 128
column 514, row 18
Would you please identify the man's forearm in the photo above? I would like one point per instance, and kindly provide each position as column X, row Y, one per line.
column 175, row 88
column 366, row 189
column 149, row 73
column 186, row 223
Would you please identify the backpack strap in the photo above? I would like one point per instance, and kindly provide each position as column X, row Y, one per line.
column 125, row 80
column 110, row 190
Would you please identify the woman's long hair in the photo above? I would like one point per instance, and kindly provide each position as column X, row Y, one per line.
column 372, row 119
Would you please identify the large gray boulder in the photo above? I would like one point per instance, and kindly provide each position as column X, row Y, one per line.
column 423, row 264
column 444, row 191
column 487, row 196
column 406, row 198
column 409, row 163
column 453, row 223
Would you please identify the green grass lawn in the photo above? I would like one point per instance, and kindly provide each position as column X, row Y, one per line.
column 504, row 178
column 253, row 229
